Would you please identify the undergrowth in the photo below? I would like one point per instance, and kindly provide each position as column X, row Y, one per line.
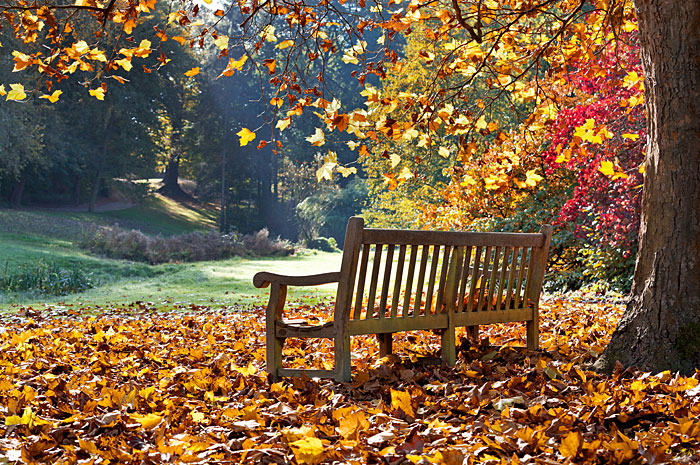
column 46, row 278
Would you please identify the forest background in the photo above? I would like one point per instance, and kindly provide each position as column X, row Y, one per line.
column 563, row 146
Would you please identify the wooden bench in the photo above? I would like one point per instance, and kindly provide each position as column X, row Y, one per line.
column 402, row 280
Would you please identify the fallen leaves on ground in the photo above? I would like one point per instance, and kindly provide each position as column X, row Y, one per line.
column 137, row 386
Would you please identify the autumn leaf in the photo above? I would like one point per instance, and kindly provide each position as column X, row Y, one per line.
column 98, row 93
column 16, row 92
column 401, row 400
column 246, row 135
column 221, row 42
column 192, row 72
column 317, row 138
column 570, row 444
column 53, row 98
column 308, row 450
column 345, row 172
column 148, row 421
column 284, row 44
column 234, row 65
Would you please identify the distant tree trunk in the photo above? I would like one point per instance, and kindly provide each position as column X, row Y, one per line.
column 660, row 328
column 17, row 191
column 76, row 189
column 223, row 221
column 171, row 178
column 101, row 161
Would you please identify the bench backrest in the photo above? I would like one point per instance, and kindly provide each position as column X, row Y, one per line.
column 404, row 273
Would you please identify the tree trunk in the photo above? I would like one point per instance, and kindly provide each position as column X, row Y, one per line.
column 17, row 191
column 660, row 329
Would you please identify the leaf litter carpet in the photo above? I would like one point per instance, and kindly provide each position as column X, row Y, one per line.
column 137, row 386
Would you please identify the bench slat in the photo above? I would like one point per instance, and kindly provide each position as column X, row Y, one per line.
column 484, row 279
column 373, row 283
column 511, row 276
column 484, row 318
column 451, row 238
column 431, row 281
column 395, row 325
column 398, row 280
column 521, row 274
column 441, row 298
column 464, row 279
column 475, row 279
column 409, row 282
column 501, row 280
column 357, row 313
column 388, row 263
column 421, row 281
column 492, row 279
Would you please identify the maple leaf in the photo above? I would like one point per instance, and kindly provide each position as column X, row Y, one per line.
column 221, row 42
column 234, row 65
column 284, row 44
column 345, row 172
column 570, row 444
column 148, row 421
column 246, row 136
column 16, row 92
column 317, row 138
column 607, row 168
column 283, row 123
column 401, row 400
column 308, row 450
column 53, row 98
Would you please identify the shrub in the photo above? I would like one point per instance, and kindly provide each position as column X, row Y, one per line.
column 134, row 245
column 47, row 278
column 326, row 244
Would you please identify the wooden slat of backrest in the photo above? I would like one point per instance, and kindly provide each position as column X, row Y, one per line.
column 501, row 280
column 454, row 275
column 421, row 280
column 464, row 279
column 492, row 279
column 541, row 264
column 348, row 270
column 475, row 279
column 452, row 238
column 398, row 281
column 409, row 281
column 373, row 282
column 443, row 277
column 484, row 272
column 431, row 280
column 521, row 274
column 360, row 291
column 388, row 262
column 534, row 256
column 511, row 277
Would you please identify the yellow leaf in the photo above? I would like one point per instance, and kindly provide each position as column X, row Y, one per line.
column 246, row 136
column 570, row 444
column 179, row 39
column 345, row 172
column 13, row 420
column 80, row 47
column 98, row 93
column 234, row 65
column 444, row 152
column 17, row 92
column 283, row 123
column 53, row 98
column 284, row 44
column 307, row 450
column 607, row 168
column 277, row 102
column 351, row 424
column 3, row 92
column 268, row 33
column 317, row 139
column 532, row 179
column 148, row 421
column 631, row 136
column 325, row 171
column 192, row 72
column 221, row 42
column 481, row 123
column 401, row 400
column 642, row 168
column 197, row 416
column 88, row 446
column 124, row 63
column 394, row 159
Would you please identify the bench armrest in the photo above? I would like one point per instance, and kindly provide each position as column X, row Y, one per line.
column 264, row 279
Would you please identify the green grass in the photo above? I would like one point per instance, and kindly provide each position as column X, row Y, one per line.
column 155, row 215
column 226, row 283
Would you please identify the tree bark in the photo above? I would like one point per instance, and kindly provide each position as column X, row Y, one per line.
column 17, row 191
column 660, row 329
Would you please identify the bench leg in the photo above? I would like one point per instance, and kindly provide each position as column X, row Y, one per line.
column 449, row 349
column 342, row 358
column 385, row 344
column 274, row 356
column 533, row 335
column 473, row 334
